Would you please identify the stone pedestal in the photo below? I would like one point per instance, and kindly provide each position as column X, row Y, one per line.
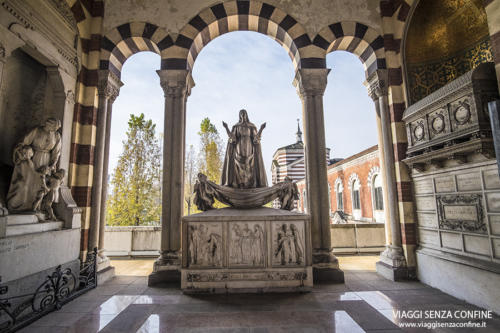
column 253, row 250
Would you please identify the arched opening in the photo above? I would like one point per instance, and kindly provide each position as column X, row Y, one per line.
column 242, row 70
column 354, row 148
column 444, row 40
column 133, row 203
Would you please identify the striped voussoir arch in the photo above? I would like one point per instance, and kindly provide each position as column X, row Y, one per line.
column 395, row 14
column 357, row 38
column 240, row 16
column 129, row 38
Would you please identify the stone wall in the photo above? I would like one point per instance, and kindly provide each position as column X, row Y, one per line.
column 140, row 241
column 358, row 237
column 132, row 241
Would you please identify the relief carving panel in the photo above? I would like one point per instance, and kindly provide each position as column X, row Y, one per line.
column 462, row 114
column 438, row 123
column 288, row 244
column 469, row 182
column 247, row 244
column 205, row 245
column 461, row 213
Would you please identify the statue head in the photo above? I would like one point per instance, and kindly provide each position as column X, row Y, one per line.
column 52, row 124
column 243, row 116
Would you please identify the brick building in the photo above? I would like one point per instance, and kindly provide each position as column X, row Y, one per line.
column 355, row 189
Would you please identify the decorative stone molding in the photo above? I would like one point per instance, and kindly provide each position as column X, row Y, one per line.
column 376, row 84
column 353, row 177
column 70, row 97
column 109, row 85
column 462, row 212
column 311, row 81
column 338, row 182
column 176, row 83
column 374, row 171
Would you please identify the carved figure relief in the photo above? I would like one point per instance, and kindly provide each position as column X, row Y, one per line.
column 205, row 244
column 288, row 244
column 247, row 244
column 36, row 178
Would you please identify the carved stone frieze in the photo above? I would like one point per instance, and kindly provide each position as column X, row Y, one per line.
column 247, row 244
column 205, row 245
column 461, row 212
column 288, row 244
column 109, row 85
column 251, row 276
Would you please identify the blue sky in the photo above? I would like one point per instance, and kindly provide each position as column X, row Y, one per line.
column 251, row 71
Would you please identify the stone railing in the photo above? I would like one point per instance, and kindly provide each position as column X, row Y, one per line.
column 145, row 241
column 358, row 237
column 132, row 241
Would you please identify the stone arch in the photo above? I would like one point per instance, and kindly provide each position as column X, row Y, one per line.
column 241, row 16
column 127, row 39
column 353, row 177
column 357, row 38
column 374, row 171
column 338, row 182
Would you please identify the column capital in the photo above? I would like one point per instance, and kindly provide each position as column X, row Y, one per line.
column 311, row 81
column 377, row 84
column 108, row 85
column 176, row 82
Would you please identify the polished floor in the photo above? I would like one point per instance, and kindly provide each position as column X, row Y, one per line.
column 365, row 303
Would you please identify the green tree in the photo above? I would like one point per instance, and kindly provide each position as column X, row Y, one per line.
column 210, row 157
column 190, row 175
column 136, row 194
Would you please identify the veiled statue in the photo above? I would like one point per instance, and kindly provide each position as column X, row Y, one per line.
column 243, row 164
column 244, row 181
column 36, row 179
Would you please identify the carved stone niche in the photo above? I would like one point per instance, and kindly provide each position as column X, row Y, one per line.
column 453, row 122
column 462, row 212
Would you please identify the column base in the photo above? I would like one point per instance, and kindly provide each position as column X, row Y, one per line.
column 166, row 269
column 392, row 264
column 105, row 271
column 326, row 267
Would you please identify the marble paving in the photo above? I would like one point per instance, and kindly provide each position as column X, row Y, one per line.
column 365, row 303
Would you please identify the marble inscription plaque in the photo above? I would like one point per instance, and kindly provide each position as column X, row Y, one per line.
column 495, row 224
column 496, row 247
column 288, row 244
column 428, row 237
column 461, row 212
column 205, row 245
column 427, row 220
column 493, row 201
column 469, row 182
column 458, row 212
column 451, row 240
column 247, row 244
column 491, row 179
column 425, row 203
column 423, row 186
column 477, row 245
column 445, row 184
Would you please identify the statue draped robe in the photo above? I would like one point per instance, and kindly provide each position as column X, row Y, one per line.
column 243, row 163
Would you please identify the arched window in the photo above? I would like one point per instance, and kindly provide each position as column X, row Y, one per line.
column 378, row 198
column 355, row 186
column 329, row 198
column 356, row 202
column 340, row 202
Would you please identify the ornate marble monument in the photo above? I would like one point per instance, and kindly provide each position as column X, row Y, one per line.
column 246, row 248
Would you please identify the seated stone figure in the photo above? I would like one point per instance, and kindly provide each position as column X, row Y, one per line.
column 27, row 187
